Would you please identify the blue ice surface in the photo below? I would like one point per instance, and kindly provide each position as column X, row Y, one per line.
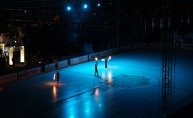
column 131, row 86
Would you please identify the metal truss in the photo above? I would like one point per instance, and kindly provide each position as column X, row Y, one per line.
column 167, row 60
column 92, row 18
column 44, row 11
column 37, row 11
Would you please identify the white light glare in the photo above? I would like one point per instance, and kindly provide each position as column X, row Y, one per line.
column 109, row 58
column 68, row 8
column 85, row 6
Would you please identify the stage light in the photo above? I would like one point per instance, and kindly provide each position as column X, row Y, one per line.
column 109, row 58
column 85, row 6
column 69, row 8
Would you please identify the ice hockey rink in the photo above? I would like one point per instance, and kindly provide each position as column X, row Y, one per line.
column 130, row 87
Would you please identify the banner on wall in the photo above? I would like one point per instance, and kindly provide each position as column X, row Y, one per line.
column 106, row 53
column 140, row 45
column 156, row 45
column 188, row 46
column 78, row 60
column 29, row 73
column 62, row 64
column 92, row 56
column 50, row 67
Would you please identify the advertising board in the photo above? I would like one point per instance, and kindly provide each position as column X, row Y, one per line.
column 28, row 73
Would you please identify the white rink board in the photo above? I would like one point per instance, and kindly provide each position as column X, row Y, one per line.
column 28, row 73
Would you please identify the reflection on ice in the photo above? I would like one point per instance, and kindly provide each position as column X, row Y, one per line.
column 103, row 75
column 96, row 92
column 72, row 111
column 84, row 104
column 54, row 83
column 50, row 83
column 87, row 108
column 54, row 90
column 128, row 88
column 109, row 77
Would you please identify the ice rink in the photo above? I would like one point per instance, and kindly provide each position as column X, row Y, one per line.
column 130, row 87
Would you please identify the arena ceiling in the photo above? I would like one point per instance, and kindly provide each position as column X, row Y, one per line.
column 54, row 11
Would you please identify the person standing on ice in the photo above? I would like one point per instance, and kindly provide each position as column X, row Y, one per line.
column 106, row 60
column 96, row 70
column 57, row 77
column 96, row 59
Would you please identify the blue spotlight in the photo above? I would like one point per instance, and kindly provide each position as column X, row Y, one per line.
column 85, row 6
column 98, row 4
column 68, row 8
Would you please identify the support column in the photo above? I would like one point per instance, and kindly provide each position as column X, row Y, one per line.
column 22, row 54
column 10, row 56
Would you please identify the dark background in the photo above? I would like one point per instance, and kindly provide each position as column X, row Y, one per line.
column 48, row 31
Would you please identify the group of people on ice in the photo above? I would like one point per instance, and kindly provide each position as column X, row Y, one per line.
column 57, row 74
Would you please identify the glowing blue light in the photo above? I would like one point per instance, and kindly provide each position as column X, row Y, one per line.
column 68, row 8
column 98, row 4
column 85, row 6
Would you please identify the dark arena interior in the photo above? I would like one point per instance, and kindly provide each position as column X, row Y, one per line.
column 115, row 58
